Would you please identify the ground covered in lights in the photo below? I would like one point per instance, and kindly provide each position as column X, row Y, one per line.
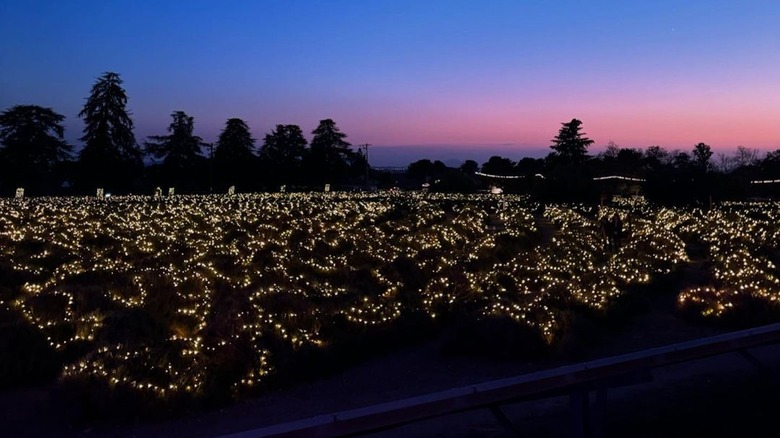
column 170, row 302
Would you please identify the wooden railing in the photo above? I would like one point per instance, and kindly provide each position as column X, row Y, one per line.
column 576, row 380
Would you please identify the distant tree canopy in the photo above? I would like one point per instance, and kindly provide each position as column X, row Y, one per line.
column 33, row 147
column 34, row 155
column 569, row 178
column 234, row 155
column 180, row 151
column 469, row 167
column 282, row 154
column 530, row 166
column 330, row 158
column 570, row 145
column 701, row 156
column 496, row 165
column 111, row 157
column 235, row 143
column 425, row 170
column 681, row 161
column 656, row 156
column 771, row 163
column 625, row 161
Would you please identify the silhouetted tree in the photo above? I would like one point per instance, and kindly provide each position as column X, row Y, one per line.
column 455, row 180
column 681, row 161
column 180, row 152
column 111, row 157
column 656, row 156
column 611, row 152
column 704, row 184
column 33, row 147
column 234, row 154
column 568, row 179
column 330, row 157
column 528, row 166
column 745, row 157
column 420, row 170
column 629, row 161
column 701, row 156
column 570, row 145
column 358, row 165
column 439, row 168
column 738, row 171
column 469, row 167
column 773, row 156
column 618, row 161
column 725, row 163
column 282, row 153
column 771, row 163
column 496, row 165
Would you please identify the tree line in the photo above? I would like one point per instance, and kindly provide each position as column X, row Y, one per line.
column 567, row 173
column 35, row 155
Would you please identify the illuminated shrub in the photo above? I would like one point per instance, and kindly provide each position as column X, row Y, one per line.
column 210, row 297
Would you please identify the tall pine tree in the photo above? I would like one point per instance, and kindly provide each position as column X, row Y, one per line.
column 281, row 155
column 33, row 148
column 234, row 155
column 330, row 156
column 569, row 145
column 111, row 157
column 180, row 152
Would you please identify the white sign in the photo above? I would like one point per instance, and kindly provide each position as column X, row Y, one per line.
column 171, row 192
column 283, row 189
column 327, row 188
column 19, row 193
column 231, row 190
column 99, row 193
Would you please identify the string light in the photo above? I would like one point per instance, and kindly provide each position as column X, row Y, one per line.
column 286, row 266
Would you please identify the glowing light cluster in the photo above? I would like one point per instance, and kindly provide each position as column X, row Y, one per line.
column 157, row 294
column 740, row 239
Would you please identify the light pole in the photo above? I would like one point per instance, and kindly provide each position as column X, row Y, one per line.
column 365, row 146
column 211, row 167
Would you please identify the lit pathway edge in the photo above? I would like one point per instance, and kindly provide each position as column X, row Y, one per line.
column 541, row 383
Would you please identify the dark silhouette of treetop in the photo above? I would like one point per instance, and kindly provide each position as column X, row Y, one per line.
column 282, row 153
column 284, row 147
column 34, row 133
column 234, row 159
column 180, row 147
column 111, row 154
column 235, row 143
column 701, row 156
column 33, row 144
column 655, row 156
column 496, row 165
column 570, row 144
column 328, row 137
column 330, row 156
column 180, row 151
column 469, row 167
column 681, row 161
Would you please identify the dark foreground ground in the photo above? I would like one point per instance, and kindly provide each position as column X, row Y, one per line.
column 720, row 396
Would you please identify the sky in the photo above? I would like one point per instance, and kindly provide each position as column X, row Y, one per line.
column 439, row 79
